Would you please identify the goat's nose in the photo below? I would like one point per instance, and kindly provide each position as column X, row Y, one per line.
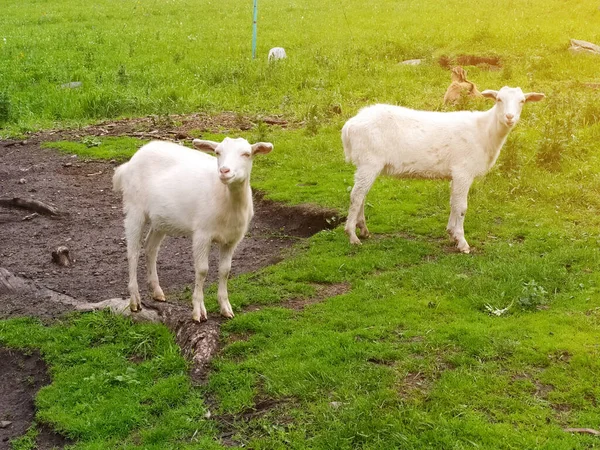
column 510, row 116
column 224, row 170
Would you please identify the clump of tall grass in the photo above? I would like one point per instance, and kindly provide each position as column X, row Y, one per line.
column 4, row 107
column 558, row 133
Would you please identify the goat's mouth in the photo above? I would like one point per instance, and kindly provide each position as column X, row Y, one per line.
column 227, row 179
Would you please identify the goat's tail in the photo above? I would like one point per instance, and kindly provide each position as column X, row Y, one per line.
column 346, row 141
column 118, row 177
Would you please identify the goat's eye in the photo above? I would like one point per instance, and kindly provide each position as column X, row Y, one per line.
column 217, row 153
column 246, row 155
column 499, row 100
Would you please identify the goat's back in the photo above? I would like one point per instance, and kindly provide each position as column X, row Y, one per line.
column 169, row 184
column 410, row 142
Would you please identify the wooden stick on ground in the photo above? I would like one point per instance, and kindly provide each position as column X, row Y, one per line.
column 30, row 204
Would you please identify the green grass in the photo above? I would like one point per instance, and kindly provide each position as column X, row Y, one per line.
column 118, row 148
column 409, row 356
column 113, row 383
column 154, row 57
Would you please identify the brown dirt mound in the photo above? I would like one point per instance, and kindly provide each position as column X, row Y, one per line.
column 483, row 62
column 22, row 376
column 170, row 127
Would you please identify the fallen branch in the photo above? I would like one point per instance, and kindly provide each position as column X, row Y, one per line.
column 583, row 430
column 30, row 204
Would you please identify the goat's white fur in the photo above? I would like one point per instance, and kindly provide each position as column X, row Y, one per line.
column 406, row 143
column 181, row 191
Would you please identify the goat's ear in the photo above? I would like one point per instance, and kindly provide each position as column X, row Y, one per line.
column 262, row 147
column 490, row 94
column 534, row 97
column 207, row 146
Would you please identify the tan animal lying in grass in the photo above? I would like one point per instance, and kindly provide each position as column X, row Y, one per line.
column 460, row 87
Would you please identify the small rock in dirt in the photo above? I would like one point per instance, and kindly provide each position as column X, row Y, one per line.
column 578, row 46
column 207, row 414
column 67, row 164
column 5, row 424
column 22, row 181
column 61, row 256
column 32, row 190
column 113, row 161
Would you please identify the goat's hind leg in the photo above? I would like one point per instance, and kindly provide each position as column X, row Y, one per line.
column 134, row 225
column 363, row 181
column 152, row 245
column 361, row 223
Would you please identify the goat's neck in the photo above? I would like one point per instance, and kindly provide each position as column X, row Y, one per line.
column 240, row 194
column 495, row 134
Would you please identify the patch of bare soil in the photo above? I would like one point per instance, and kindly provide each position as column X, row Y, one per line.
column 483, row 62
column 90, row 225
column 324, row 291
column 22, row 376
column 170, row 127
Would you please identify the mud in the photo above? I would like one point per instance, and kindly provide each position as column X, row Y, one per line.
column 22, row 376
column 90, row 225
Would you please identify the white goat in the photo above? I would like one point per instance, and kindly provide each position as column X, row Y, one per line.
column 177, row 191
column 422, row 144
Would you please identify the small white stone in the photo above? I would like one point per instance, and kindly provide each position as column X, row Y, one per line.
column 412, row 62
column 277, row 53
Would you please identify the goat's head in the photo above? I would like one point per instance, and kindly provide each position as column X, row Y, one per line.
column 234, row 157
column 509, row 103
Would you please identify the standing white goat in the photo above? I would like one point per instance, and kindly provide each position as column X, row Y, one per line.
column 177, row 191
column 422, row 144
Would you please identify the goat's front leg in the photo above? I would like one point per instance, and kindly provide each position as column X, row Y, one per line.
column 458, row 208
column 201, row 251
column 226, row 253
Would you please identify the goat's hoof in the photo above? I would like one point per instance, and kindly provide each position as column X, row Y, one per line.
column 134, row 307
column 159, row 298
column 227, row 314
column 464, row 248
column 200, row 317
column 364, row 233
column 355, row 241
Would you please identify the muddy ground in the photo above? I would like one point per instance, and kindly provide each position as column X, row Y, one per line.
column 90, row 225
column 22, row 375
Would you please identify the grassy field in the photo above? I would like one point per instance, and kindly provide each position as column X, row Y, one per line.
column 409, row 357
